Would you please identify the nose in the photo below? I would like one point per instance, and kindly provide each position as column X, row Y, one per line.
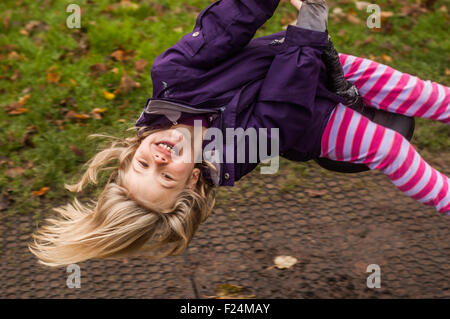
column 159, row 158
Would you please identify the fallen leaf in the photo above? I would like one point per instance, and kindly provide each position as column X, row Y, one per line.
column 447, row 71
column 285, row 262
column 44, row 190
column 229, row 291
column 353, row 19
column 108, row 95
column 24, row 32
column 96, row 113
column 178, row 29
column 19, row 110
column 53, row 76
column 68, row 101
column 26, row 138
column 126, row 5
column 386, row 58
column 6, row 19
column 338, row 12
column 315, row 193
column 24, row 99
column 364, row 42
column 13, row 55
column 127, row 84
column 73, row 115
column 140, row 65
column 124, row 104
column 121, row 55
column 17, row 105
column 33, row 24
column 342, row 32
column 386, row 14
column 76, row 150
column 15, row 171
column 99, row 110
column 362, row 5
column 98, row 69
column 15, row 76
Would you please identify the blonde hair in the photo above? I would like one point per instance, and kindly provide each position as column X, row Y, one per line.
column 115, row 226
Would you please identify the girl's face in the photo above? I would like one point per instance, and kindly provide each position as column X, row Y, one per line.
column 157, row 173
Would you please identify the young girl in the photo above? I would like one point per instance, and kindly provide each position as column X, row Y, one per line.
column 157, row 195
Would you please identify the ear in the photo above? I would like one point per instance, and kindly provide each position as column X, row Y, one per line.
column 194, row 178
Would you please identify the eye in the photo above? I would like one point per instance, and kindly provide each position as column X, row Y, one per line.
column 143, row 164
column 167, row 176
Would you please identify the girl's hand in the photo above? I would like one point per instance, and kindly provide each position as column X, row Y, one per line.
column 297, row 4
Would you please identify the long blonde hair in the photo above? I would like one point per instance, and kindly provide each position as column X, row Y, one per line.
column 116, row 226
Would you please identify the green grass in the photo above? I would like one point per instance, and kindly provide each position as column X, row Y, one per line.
column 417, row 45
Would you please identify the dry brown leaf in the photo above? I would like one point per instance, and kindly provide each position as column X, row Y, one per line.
column 98, row 69
column 353, row 19
column 447, row 71
column 44, row 190
column 365, row 41
column 6, row 19
column 140, row 65
column 71, row 115
column 127, row 84
column 15, row 76
column 342, row 32
column 24, row 32
column 122, row 55
column 15, row 171
column 285, row 262
column 97, row 112
column 53, row 76
column 26, row 138
column 76, row 150
column 19, row 110
column 362, row 5
column 124, row 104
column 386, row 58
column 315, row 193
column 386, row 14
column 13, row 55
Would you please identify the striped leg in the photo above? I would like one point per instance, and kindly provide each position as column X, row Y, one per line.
column 388, row 89
column 351, row 137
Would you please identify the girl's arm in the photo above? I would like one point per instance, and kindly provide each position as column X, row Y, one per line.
column 221, row 29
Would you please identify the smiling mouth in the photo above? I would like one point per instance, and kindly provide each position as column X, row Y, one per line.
column 168, row 147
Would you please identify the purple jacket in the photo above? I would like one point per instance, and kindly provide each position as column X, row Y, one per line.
column 275, row 81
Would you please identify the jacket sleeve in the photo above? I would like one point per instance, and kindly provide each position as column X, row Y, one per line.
column 221, row 29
